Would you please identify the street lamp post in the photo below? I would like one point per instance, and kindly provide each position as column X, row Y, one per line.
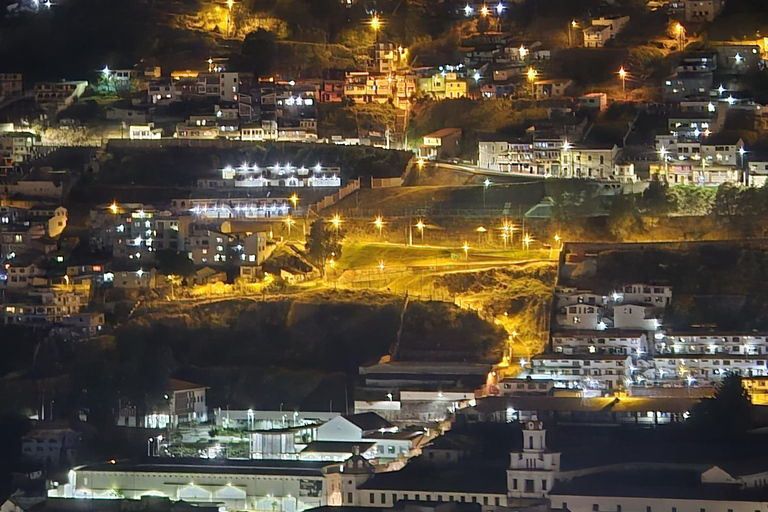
column 623, row 76
column 420, row 226
column 486, row 184
column 744, row 173
column 573, row 24
column 379, row 223
column 680, row 35
column 375, row 25
column 531, row 75
column 230, row 3
column 289, row 222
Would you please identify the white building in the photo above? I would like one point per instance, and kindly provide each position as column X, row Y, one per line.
column 585, row 371
column 580, row 316
column 696, row 343
column 264, row 485
column 654, row 295
column 49, row 447
column 611, row 341
column 532, row 471
column 636, row 316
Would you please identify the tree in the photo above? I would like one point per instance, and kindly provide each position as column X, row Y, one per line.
column 728, row 413
column 323, row 243
column 656, row 200
column 258, row 52
column 624, row 218
column 171, row 262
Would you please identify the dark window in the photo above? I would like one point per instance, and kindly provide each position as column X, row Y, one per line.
column 373, row 499
column 498, row 501
column 383, row 498
column 514, row 483
column 543, row 485
column 349, row 497
column 485, row 500
column 595, row 507
column 529, row 486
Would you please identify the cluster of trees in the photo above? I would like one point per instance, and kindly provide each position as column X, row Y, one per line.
column 744, row 211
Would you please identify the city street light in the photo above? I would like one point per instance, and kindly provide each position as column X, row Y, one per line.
column 379, row 223
column 420, row 226
column 468, row 10
column 680, row 35
column 572, row 25
column 230, row 3
column 623, row 75
column 375, row 22
column 381, row 265
column 336, row 221
column 294, row 199
column 466, row 250
column 523, row 51
column 484, row 11
column 745, row 174
column 500, row 8
column 527, row 239
column 114, row 208
column 486, row 184
column 531, row 75
column 289, row 222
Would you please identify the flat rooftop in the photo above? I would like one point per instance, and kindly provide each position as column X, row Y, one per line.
column 202, row 466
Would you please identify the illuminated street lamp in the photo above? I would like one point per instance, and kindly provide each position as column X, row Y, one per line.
column 230, row 3
column 531, row 75
column 523, row 51
column 680, row 35
column 375, row 22
column 484, row 11
column 486, row 184
column 500, row 8
column 289, row 222
column 481, row 230
column 420, row 226
column 294, row 199
column 114, row 208
column 527, row 239
column 623, row 76
column 420, row 163
column 336, row 221
column 504, row 237
column 663, row 152
column 572, row 25
column 466, row 250
column 381, row 265
column 379, row 223
column 468, row 10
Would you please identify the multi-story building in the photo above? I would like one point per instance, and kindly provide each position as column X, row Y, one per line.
column 697, row 343
column 603, row 30
column 444, row 85
column 10, row 84
column 50, row 447
column 687, row 85
column 702, row 10
column 45, row 307
column 608, row 341
column 583, row 371
column 205, row 246
column 59, row 94
column 185, row 402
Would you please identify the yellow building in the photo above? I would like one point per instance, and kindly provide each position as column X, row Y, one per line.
column 444, row 86
column 757, row 387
